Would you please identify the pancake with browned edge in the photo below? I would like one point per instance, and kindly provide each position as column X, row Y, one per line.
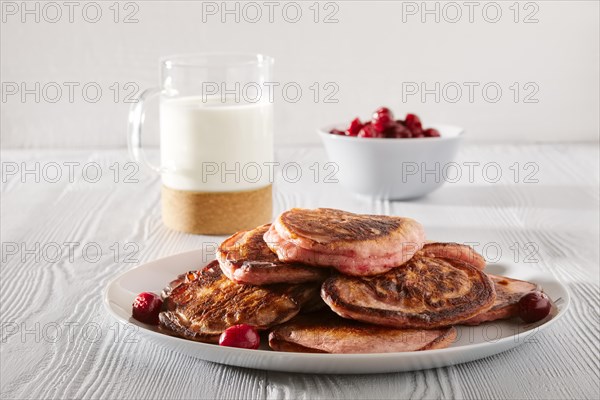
column 201, row 305
column 454, row 251
column 245, row 258
column 508, row 293
column 354, row 244
column 326, row 332
column 423, row 293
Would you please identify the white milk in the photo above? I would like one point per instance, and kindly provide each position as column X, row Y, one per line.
column 215, row 147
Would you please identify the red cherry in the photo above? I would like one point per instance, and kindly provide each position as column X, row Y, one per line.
column 397, row 131
column 368, row 131
column 413, row 123
column 337, row 132
column 146, row 308
column 386, row 111
column 243, row 335
column 534, row 306
column 382, row 119
column 354, row 128
column 431, row 132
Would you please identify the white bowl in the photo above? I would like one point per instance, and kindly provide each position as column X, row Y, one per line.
column 394, row 168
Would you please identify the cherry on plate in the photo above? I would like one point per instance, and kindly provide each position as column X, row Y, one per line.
column 146, row 308
column 243, row 335
column 534, row 306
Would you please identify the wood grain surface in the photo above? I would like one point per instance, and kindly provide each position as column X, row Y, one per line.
column 57, row 341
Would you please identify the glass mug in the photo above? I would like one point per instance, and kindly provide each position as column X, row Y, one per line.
column 216, row 141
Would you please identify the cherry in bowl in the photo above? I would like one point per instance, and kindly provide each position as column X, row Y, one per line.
column 383, row 125
column 392, row 164
column 382, row 119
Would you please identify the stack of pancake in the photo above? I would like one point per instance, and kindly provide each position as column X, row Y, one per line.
column 331, row 281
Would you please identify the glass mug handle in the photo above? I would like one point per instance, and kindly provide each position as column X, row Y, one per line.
column 134, row 129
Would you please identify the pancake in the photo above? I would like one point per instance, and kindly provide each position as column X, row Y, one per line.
column 245, row 258
column 201, row 305
column 454, row 251
column 326, row 332
column 354, row 244
column 508, row 293
column 424, row 293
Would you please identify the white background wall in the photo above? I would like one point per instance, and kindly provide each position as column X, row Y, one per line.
column 372, row 52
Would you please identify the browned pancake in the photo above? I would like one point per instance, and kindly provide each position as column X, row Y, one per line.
column 328, row 225
column 307, row 295
column 245, row 258
column 201, row 305
column 455, row 251
column 423, row 293
column 354, row 244
column 325, row 332
column 508, row 293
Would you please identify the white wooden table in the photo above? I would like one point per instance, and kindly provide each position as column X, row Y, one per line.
column 58, row 341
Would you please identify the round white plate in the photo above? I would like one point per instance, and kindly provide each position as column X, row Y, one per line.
column 472, row 343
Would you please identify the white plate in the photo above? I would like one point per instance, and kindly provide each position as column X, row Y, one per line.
column 473, row 342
